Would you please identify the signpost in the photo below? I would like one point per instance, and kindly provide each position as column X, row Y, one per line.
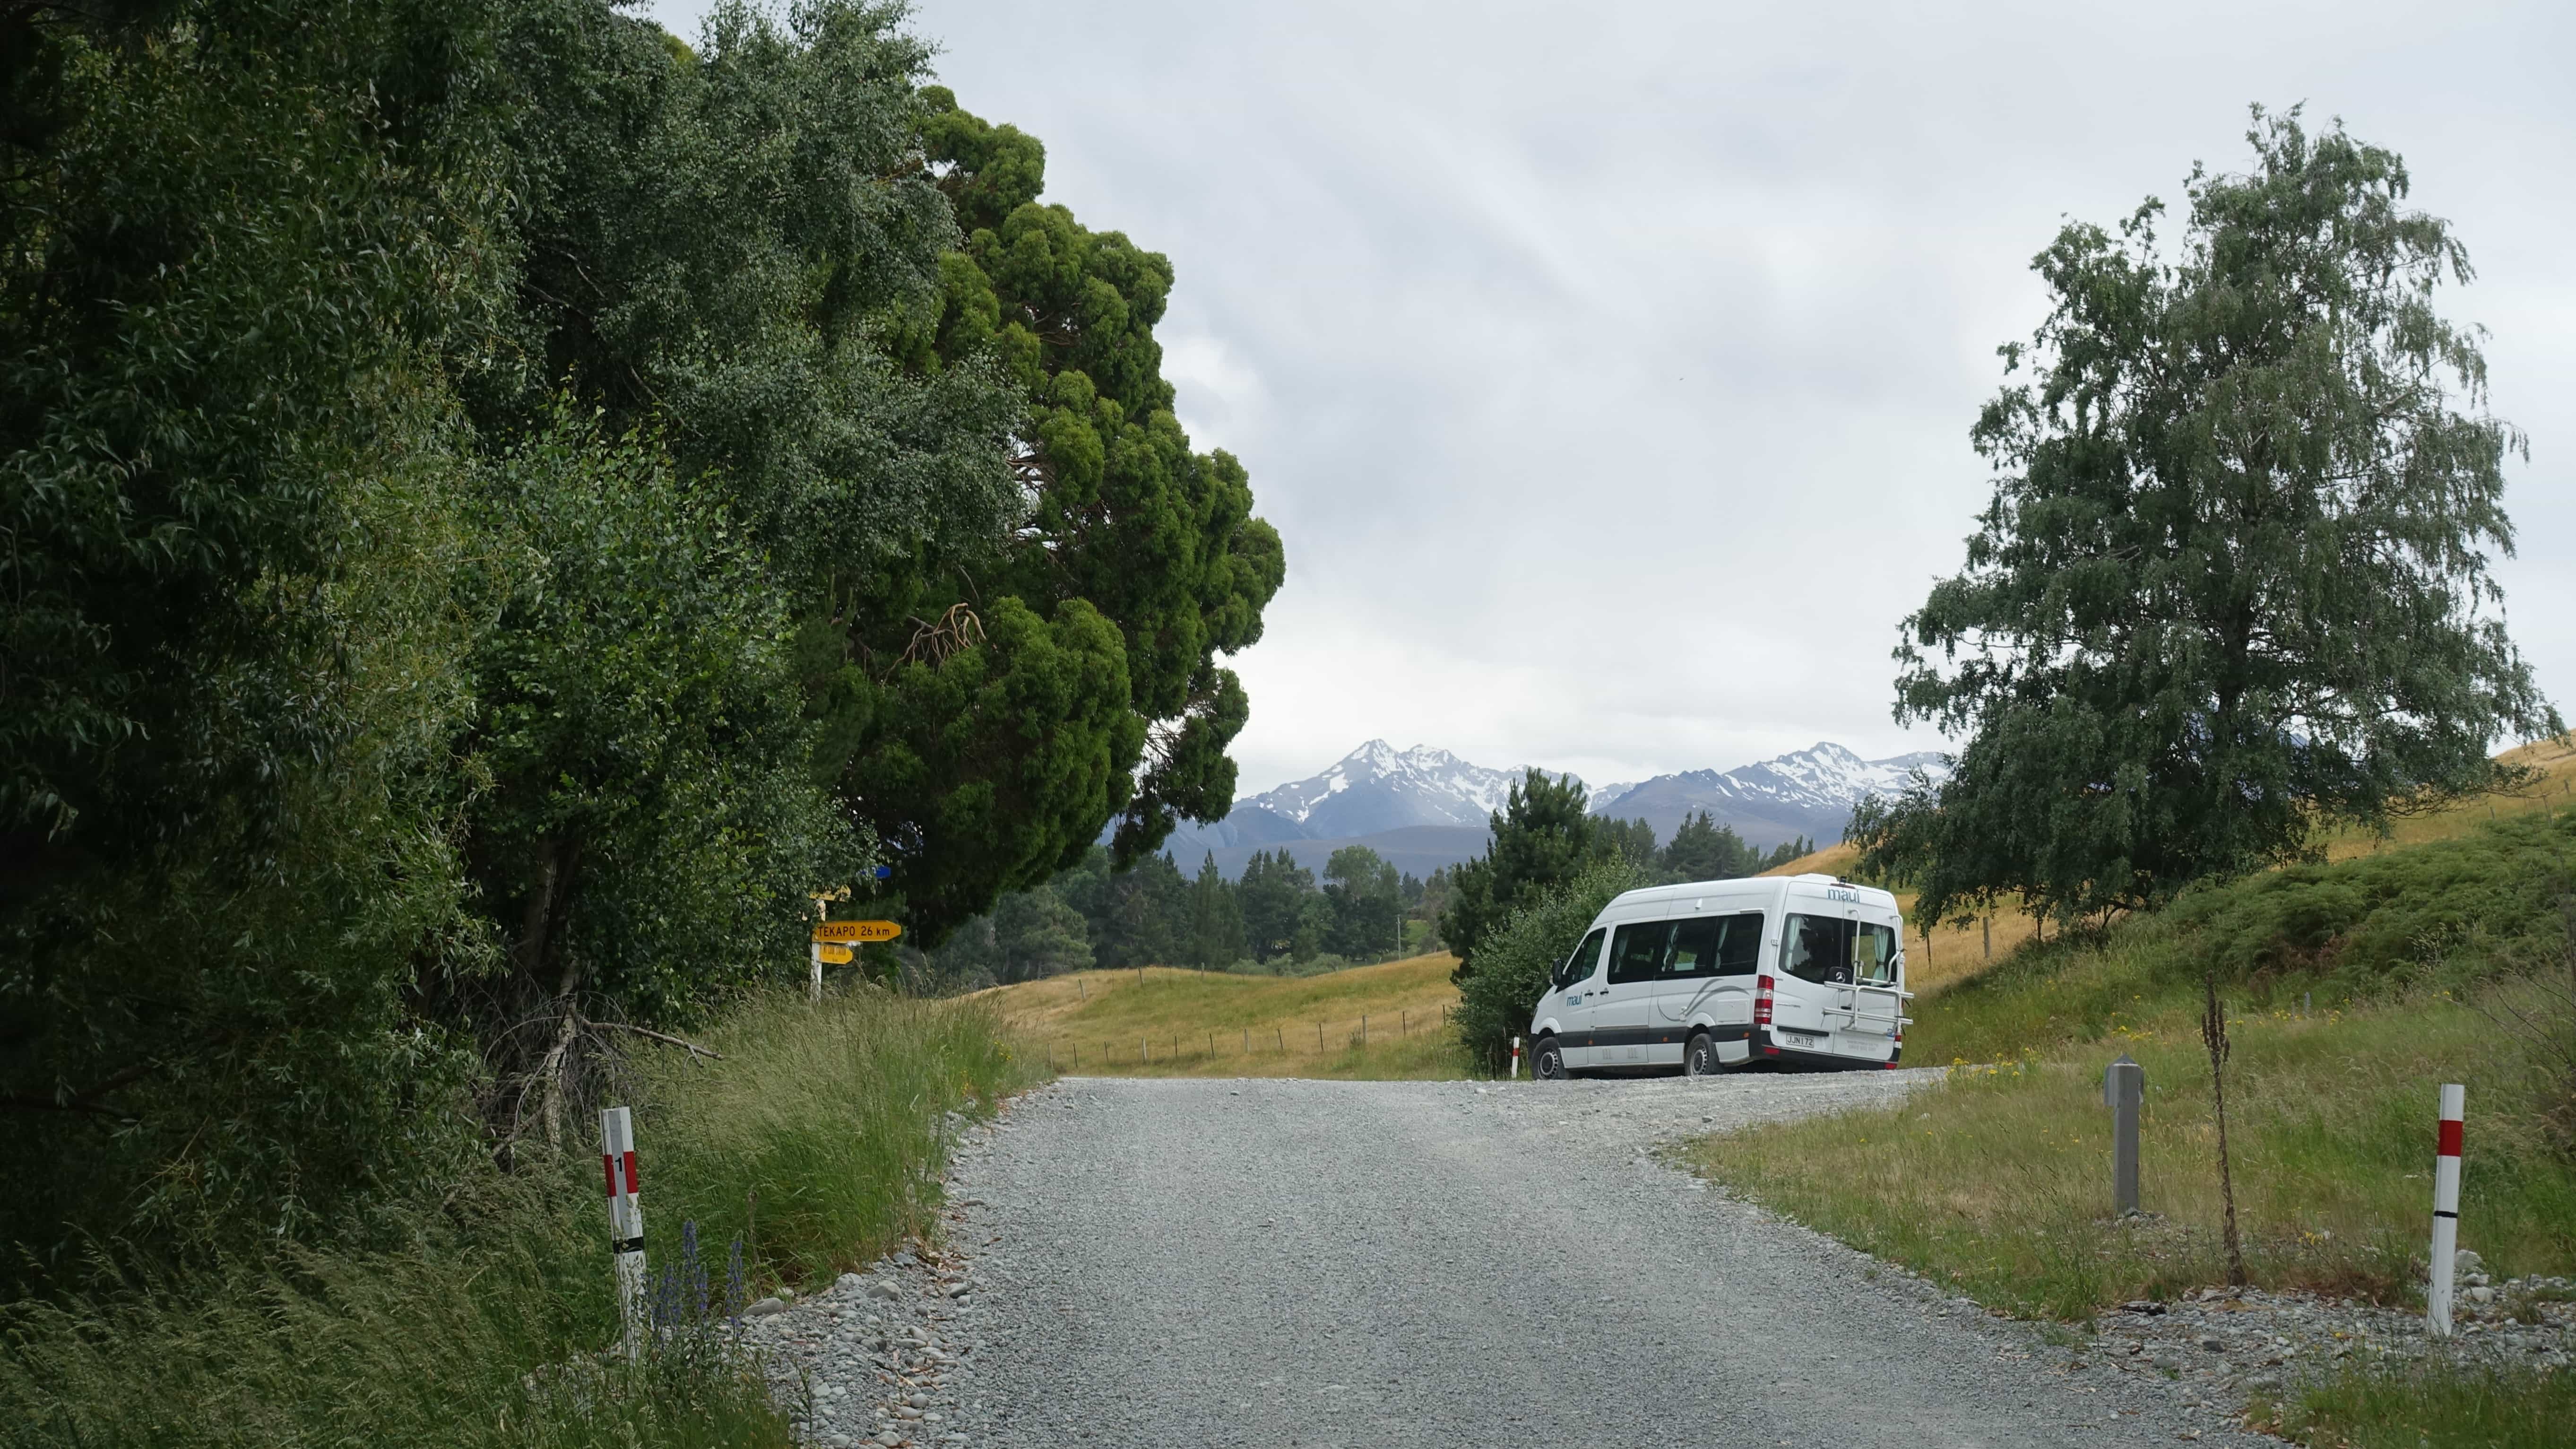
column 857, row 931
column 832, row 943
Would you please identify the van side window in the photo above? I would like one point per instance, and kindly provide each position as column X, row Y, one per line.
column 1695, row 944
column 1715, row 946
column 1739, row 952
column 1817, row 948
column 1637, row 951
column 1580, row 964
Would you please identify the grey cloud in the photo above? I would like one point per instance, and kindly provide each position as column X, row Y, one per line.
column 1609, row 368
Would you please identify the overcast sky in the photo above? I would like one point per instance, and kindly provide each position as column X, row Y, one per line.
column 1608, row 369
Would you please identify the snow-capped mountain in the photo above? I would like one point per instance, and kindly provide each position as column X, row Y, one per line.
column 1376, row 787
column 1422, row 807
column 1807, row 792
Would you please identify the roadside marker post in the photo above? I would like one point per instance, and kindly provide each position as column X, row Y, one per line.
column 2124, row 1091
column 625, row 1221
column 1516, row 1059
column 2446, row 1208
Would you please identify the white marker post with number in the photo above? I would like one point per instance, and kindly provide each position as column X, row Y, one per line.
column 2446, row 1209
column 625, row 1221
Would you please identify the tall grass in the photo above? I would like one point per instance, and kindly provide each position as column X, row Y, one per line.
column 482, row 1332
column 488, row 1325
column 819, row 1137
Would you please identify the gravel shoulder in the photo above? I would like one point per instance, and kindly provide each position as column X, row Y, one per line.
column 1268, row 1262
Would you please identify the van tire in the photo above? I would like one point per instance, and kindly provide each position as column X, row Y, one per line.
column 1699, row 1059
column 1547, row 1063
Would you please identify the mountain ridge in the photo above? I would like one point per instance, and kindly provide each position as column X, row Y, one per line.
column 1432, row 808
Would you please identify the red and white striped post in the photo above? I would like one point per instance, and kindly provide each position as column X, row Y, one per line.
column 1516, row 1059
column 2446, row 1209
column 625, row 1220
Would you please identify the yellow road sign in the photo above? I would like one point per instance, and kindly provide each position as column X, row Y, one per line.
column 834, row 955
column 857, row 931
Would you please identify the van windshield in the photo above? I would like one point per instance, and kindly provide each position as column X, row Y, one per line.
column 1579, row 965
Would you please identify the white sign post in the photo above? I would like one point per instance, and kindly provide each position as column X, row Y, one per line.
column 2446, row 1209
column 625, row 1221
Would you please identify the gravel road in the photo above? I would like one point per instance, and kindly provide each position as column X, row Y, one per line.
column 1188, row 1263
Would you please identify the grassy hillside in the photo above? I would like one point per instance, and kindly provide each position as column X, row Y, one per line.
column 2417, row 961
column 1381, row 1022
column 1957, row 952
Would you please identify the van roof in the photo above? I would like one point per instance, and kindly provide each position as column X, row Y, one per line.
column 1742, row 885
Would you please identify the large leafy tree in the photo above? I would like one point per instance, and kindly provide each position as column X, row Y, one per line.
column 2233, row 587
column 648, row 812
column 1135, row 564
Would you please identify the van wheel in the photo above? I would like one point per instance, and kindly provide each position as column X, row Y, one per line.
column 1548, row 1064
column 1699, row 1059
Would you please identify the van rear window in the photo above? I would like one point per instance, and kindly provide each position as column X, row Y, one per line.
column 1817, row 948
column 1716, row 945
column 1829, row 949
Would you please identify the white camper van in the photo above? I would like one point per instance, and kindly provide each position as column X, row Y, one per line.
column 1804, row 971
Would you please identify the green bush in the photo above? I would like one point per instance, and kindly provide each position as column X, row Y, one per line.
column 1513, row 961
column 2446, row 912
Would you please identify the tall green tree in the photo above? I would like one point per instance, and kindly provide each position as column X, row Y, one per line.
column 1216, row 918
column 1702, row 849
column 1273, row 894
column 1542, row 835
column 239, row 234
column 1630, row 840
column 648, row 818
column 1364, row 895
column 2233, row 588
column 1121, row 524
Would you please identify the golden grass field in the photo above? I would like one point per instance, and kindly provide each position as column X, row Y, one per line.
column 1380, row 1023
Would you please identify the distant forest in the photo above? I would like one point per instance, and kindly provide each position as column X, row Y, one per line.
column 1281, row 918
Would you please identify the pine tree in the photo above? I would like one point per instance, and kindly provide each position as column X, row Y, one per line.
column 1216, row 918
column 1542, row 835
